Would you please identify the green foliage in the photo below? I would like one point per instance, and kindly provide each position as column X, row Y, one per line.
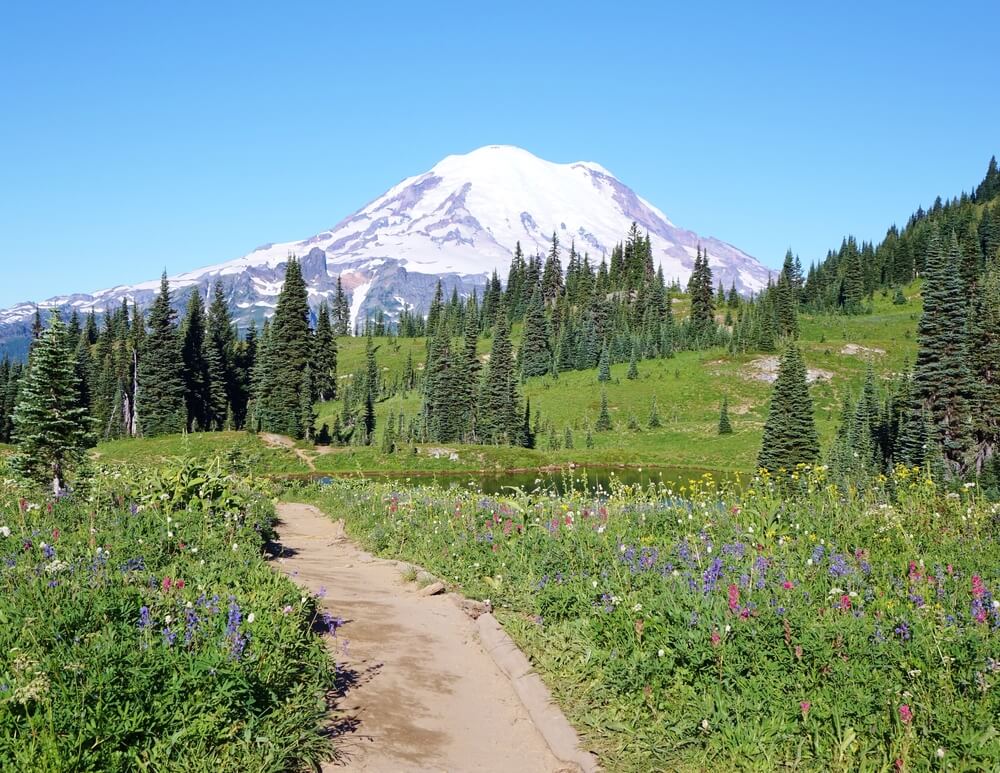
column 942, row 383
column 287, row 351
column 787, row 628
column 143, row 631
column 725, row 426
column 790, row 437
column 161, row 370
column 603, row 423
column 51, row 429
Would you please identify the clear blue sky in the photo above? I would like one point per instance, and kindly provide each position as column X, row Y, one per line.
column 138, row 136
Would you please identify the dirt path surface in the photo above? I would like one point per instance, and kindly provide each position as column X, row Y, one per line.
column 283, row 441
column 420, row 692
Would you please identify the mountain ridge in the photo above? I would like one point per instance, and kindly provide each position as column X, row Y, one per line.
column 457, row 222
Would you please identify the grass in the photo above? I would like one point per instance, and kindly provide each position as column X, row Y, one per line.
column 688, row 390
column 250, row 449
column 140, row 629
column 759, row 629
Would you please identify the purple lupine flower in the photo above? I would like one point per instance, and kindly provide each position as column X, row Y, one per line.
column 191, row 621
column 838, row 565
column 735, row 549
column 48, row 551
column 169, row 637
column 711, row 576
column 817, row 554
column 144, row 618
column 903, row 630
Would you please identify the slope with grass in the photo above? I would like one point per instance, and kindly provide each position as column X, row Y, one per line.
column 688, row 389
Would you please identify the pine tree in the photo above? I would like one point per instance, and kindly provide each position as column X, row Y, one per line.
column 942, row 383
column 702, row 296
column 604, row 366
column 984, row 361
column 725, row 427
column 535, row 355
column 51, row 429
column 197, row 389
column 654, row 416
column 790, row 431
column 307, row 412
column 568, row 439
column 500, row 420
column 283, row 363
column 160, row 402
column 603, row 423
column 552, row 276
column 633, row 367
column 220, row 361
column 324, row 359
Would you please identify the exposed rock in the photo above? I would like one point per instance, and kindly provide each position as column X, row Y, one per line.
column 766, row 369
column 433, row 589
column 856, row 349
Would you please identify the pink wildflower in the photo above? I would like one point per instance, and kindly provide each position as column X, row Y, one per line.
column 905, row 714
column 166, row 583
column 804, row 706
column 787, row 585
column 716, row 639
column 978, row 589
column 734, row 597
column 845, row 602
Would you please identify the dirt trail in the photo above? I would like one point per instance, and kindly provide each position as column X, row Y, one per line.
column 421, row 693
column 283, row 441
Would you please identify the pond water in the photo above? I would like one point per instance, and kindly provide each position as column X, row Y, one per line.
column 559, row 481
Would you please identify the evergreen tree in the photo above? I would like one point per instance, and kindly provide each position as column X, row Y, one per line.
column 535, row 355
column 790, row 432
column 324, row 360
column 654, row 416
column 220, row 361
column 633, row 367
column 52, row 430
column 604, row 366
column 197, row 389
column 568, row 438
column 984, row 361
column 942, row 384
column 160, row 403
column 500, row 421
column 283, row 363
column 725, row 427
column 603, row 423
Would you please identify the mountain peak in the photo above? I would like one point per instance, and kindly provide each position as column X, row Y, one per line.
column 458, row 221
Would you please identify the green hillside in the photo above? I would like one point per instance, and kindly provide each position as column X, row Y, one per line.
column 688, row 389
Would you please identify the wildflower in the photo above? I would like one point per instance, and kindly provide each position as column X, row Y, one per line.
column 250, row 617
column 660, row 652
column 939, row 753
column 716, row 639
column 804, row 707
column 167, row 582
column 4, row 531
column 734, row 597
column 978, row 589
column 144, row 618
column 905, row 714
column 787, row 585
column 287, row 609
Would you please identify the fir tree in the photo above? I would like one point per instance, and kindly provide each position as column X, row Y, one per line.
column 942, row 384
column 633, row 367
column 51, row 429
column 160, row 402
column 197, row 389
column 324, row 359
column 790, row 432
column 500, row 420
column 603, row 423
column 283, row 364
column 535, row 354
column 654, row 416
column 725, row 427
column 220, row 361
column 604, row 366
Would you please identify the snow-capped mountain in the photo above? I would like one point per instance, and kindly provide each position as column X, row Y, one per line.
column 457, row 222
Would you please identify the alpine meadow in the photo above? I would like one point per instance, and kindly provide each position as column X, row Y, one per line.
column 506, row 470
